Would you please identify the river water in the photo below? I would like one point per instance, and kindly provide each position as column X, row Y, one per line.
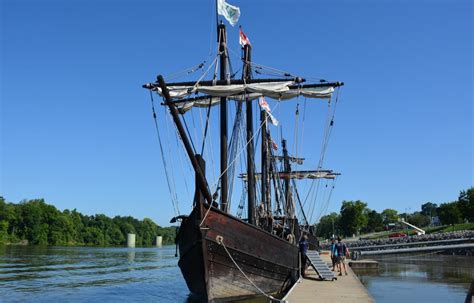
column 86, row 274
column 89, row 274
column 420, row 278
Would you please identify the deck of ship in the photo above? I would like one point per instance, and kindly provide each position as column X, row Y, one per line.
column 343, row 290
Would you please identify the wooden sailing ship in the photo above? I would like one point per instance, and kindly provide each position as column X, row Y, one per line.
column 224, row 257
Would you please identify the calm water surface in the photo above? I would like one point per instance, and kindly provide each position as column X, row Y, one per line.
column 85, row 274
column 429, row 278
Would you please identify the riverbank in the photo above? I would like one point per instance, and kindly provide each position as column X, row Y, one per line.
column 423, row 240
column 40, row 223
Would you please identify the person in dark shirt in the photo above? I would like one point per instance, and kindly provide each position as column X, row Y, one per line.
column 333, row 254
column 303, row 244
column 342, row 251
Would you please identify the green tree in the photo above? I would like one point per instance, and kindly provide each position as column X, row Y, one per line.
column 326, row 224
column 374, row 222
column 466, row 204
column 353, row 217
column 43, row 224
column 449, row 213
column 429, row 209
column 418, row 219
column 389, row 216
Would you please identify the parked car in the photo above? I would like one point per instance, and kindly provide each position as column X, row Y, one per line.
column 397, row 235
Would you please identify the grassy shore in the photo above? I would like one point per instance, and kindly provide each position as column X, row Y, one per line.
column 428, row 230
column 449, row 228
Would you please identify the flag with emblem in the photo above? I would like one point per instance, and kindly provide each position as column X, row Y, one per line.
column 231, row 13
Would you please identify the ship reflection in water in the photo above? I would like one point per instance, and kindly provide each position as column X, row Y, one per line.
column 419, row 278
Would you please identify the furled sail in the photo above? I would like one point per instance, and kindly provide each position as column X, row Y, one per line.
column 242, row 92
column 305, row 174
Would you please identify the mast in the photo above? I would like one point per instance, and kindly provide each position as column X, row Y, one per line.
column 250, row 147
column 265, row 200
column 287, row 167
column 222, row 38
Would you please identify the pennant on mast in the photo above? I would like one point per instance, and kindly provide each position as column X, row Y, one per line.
column 243, row 39
column 274, row 145
column 264, row 105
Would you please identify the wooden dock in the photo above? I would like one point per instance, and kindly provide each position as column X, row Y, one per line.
column 346, row 289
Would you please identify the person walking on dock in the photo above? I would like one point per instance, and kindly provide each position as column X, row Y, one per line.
column 304, row 245
column 342, row 251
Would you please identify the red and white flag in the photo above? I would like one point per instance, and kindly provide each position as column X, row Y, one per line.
column 264, row 105
column 274, row 145
column 243, row 39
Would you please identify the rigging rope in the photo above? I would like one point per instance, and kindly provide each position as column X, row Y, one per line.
column 325, row 208
column 220, row 240
column 234, row 145
column 168, row 181
column 189, row 134
column 207, row 125
column 297, row 119
column 237, row 156
column 180, row 154
column 328, row 131
column 187, row 71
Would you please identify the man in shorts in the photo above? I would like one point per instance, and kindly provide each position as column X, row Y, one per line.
column 341, row 250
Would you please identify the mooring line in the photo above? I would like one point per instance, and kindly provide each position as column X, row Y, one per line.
column 220, row 240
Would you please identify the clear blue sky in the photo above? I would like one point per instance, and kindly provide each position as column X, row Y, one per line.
column 76, row 126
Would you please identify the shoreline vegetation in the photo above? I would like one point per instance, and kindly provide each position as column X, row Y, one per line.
column 356, row 219
column 34, row 222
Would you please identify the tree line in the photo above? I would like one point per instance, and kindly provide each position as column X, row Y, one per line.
column 355, row 217
column 42, row 224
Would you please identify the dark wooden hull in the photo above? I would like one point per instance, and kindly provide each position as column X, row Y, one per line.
column 268, row 261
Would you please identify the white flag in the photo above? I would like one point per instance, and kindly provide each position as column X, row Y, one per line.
column 230, row 12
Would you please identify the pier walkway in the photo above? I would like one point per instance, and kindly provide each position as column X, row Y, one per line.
column 346, row 289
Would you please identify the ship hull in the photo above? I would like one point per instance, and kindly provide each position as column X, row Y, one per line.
column 208, row 253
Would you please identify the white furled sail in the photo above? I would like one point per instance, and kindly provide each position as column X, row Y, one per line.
column 241, row 92
column 307, row 174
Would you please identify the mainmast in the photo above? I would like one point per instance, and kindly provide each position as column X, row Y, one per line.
column 250, row 148
column 265, row 188
column 222, row 38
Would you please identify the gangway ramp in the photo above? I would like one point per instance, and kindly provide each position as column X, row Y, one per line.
column 320, row 266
